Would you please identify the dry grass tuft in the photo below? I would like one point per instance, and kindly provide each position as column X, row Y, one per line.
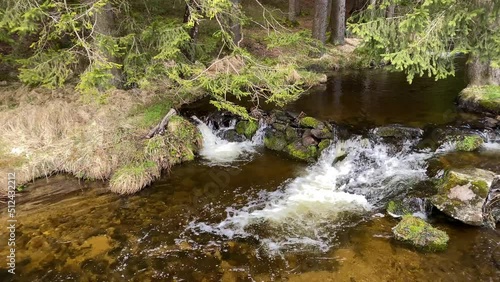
column 50, row 134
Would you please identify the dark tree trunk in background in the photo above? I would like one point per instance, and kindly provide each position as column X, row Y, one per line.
column 481, row 73
column 193, row 32
column 372, row 3
column 297, row 7
column 105, row 25
column 292, row 13
column 320, row 22
column 494, row 78
column 337, row 22
column 389, row 13
column 235, row 25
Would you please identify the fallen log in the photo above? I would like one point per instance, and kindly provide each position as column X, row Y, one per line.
column 160, row 127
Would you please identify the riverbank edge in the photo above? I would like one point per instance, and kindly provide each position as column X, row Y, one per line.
column 481, row 99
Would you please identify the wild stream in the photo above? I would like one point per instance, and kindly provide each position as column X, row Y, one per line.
column 240, row 212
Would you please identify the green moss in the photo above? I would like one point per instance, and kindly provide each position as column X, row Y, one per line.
column 291, row 133
column 275, row 142
column 450, row 179
column 324, row 144
column 469, row 143
column 299, row 151
column 480, row 188
column 247, row 128
column 309, row 122
column 481, row 98
column 398, row 208
column 154, row 113
column 420, row 234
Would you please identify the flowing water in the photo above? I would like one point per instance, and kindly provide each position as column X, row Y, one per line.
column 243, row 213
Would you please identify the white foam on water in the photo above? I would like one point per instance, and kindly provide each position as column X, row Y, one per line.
column 308, row 210
column 218, row 151
column 492, row 141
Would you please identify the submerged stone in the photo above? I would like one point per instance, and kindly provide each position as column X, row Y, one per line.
column 469, row 143
column 410, row 206
column 397, row 131
column 462, row 194
column 247, row 128
column 232, row 136
column 421, row 234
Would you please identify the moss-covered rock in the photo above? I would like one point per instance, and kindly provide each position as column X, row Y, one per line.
column 462, row 194
column 397, row 209
column 421, row 234
column 469, row 143
column 275, row 141
column 247, row 128
column 397, row 131
column 232, row 136
column 481, row 99
column 279, row 126
column 301, row 152
column 321, row 132
column 291, row 134
column 324, row 144
column 418, row 207
column 310, row 122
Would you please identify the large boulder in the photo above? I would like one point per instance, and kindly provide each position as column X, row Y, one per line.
column 416, row 231
column 462, row 194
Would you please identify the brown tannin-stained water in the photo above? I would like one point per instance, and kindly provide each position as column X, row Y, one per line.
column 244, row 213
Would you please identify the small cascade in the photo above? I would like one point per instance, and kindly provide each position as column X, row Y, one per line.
column 308, row 210
column 492, row 140
column 218, row 151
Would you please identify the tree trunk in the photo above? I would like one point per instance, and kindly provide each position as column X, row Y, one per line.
column 193, row 32
column 389, row 13
column 105, row 25
column 320, row 22
column 338, row 22
column 494, row 76
column 297, row 7
column 477, row 71
column 292, row 14
column 235, row 24
column 372, row 13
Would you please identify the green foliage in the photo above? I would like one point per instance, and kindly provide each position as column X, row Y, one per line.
column 74, row 39
column 49, row 69
column 424, row 36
